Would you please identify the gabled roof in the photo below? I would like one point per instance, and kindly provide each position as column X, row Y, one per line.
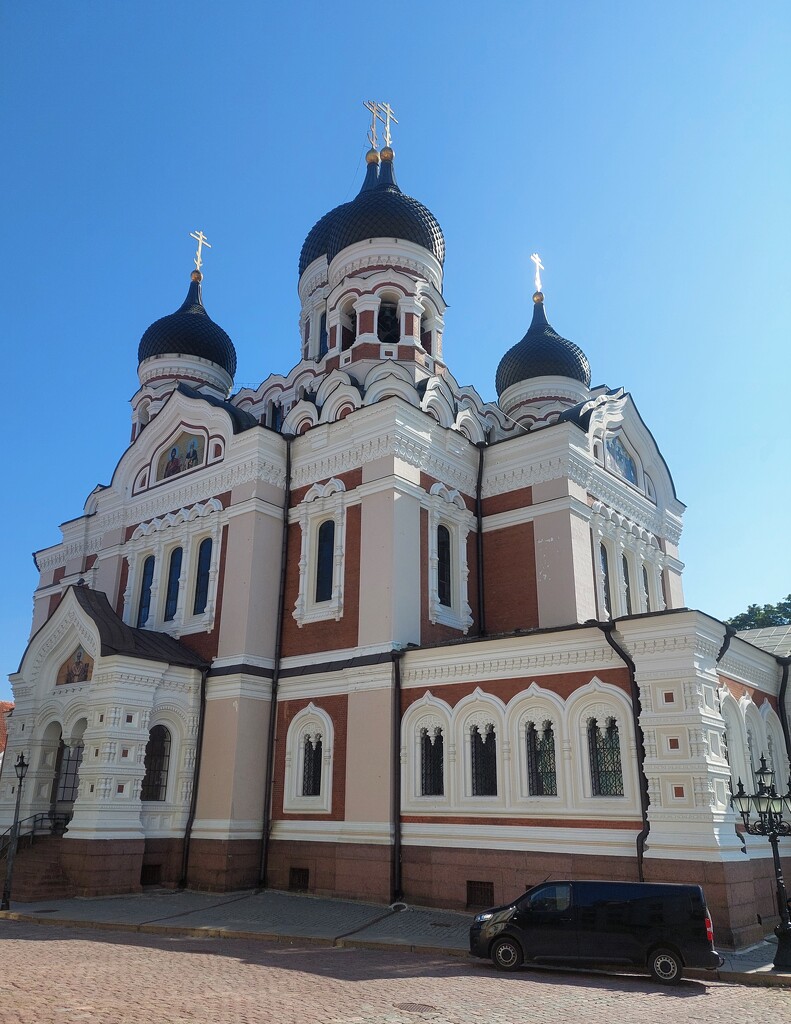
column 240, row 418
column 774, row 639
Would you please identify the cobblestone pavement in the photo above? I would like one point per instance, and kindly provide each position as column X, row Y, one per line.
column 63, row 975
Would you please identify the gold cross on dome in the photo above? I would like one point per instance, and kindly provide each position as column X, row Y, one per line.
column 389, row 116
column 539, row 267
column 373, row 106
column 200, row 238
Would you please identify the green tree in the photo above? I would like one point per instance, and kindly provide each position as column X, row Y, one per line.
column 757, row 617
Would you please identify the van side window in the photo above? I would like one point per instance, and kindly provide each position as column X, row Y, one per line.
column 549, row 899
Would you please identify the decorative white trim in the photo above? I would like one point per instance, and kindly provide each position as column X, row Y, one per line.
column 315, row 723
column 322, row 503
column 446, row 508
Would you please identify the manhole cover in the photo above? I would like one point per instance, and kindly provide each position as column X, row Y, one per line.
column 415, row 1007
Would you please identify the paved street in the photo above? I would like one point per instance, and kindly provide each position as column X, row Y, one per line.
column 53, row 975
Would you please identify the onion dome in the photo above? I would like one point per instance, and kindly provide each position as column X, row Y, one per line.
column 380, row 210
column 190, row 331
column 542, row 353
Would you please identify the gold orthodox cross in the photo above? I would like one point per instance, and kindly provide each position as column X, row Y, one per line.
column 373, row 106
column 200, row 238
column 389, row 116
column 539, row 267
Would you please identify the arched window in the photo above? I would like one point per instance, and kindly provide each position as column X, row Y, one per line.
column 311, row 765
column 425, row 334
column 432, row 780
column 627, row 585
column 202, row 578
column 323, row 339
column 325, row 556
column 541, row 773
column 349, row 333
column 68, row 772
column 605, row 576
column 388, row 328
column 157, row 761
column 604, row 748
column 444, row 590
column 484, row 761
column 144, row 605
column 646, row 590
column 174, row 572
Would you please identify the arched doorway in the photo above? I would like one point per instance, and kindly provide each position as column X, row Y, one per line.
column 66, row 782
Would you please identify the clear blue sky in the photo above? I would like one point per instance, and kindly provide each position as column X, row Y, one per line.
column 641, row 148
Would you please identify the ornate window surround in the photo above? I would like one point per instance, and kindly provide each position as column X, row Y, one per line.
column 185, row 529
column 315, row 721
column 446, row 508
column 322, row 502
column 623, row 539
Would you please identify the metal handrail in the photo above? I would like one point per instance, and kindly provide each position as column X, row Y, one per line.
column 43, row 822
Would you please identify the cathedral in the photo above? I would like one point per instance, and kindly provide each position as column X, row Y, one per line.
column 357, row 632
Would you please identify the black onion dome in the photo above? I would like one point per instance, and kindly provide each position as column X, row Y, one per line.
column 380, row 210
column 190, row 331
column 542, row 353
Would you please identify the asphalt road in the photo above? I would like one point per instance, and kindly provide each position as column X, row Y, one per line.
column 59, row 975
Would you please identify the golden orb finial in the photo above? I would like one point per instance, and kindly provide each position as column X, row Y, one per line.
column 388, row 154
column 538, row 296
column 196, row 276
column 372, row 157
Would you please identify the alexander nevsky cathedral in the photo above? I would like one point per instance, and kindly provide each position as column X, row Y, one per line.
column 358, row 632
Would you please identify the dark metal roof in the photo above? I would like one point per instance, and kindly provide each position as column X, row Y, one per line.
column 189, row 331
column 118, row 638
column 241, row 419
column 542, row 353
column 380, row 210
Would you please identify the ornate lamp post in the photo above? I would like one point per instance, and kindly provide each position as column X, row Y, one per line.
column 770, row 808
column 20, row 768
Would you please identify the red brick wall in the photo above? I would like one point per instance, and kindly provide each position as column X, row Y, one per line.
column 520, row 498
column 739, row 689
column 509, row 576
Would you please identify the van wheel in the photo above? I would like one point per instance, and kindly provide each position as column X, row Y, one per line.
column 506, row 955
column 665, row 966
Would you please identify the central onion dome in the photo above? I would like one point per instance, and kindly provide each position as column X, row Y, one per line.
column 380, row 210
column 190, row 331
column 542, row 353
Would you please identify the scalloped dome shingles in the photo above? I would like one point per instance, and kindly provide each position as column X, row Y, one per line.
column 380, row 210
column 190, row 331
column 542, row 353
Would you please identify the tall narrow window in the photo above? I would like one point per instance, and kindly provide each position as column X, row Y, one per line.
column 388, row 328
column 202, row 578
column 69, row 773
column 627, row 584
column 349, row 334
column 157, row 762
column 323, row 340
column 174, row 572
column 444, row 591
column 311, row 766
column 325, row 557
column 605, row 578
column 604, row 748
column 541, row 773
column 432, row 781
column 646, row 590
column 144, row 606
column 484, row 761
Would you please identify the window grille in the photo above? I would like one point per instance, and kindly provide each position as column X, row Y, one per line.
column 311, row 766
column 151, row 874
column 646, row 590
column 298, row 879
column 484, row 761
column 388, row 327
column 432, row 781
column 157, row 762
column 627, row 584
column 605, row 758
column 325, row 557
column 480, row 894
column 174, row 572
column 444, row 592
column 202, row 579
column 541, row 772
column 69, row 773
column 605, row 573
column 144, row 606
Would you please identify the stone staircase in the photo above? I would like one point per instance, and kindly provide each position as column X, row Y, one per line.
column 37, row 870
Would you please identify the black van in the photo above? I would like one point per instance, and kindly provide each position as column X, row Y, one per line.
column 663, row 928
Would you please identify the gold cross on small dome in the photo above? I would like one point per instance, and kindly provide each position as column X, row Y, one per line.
column 539, row 267
column 200, row 238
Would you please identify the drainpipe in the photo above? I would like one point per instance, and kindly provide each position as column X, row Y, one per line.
column 270, row 756
column 608, row 628
column 185, row 853
column 481, row 446
column 395, row 866
column 781, row 703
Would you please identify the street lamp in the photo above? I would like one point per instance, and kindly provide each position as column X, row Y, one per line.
column 770, row 808
column 20, row 768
